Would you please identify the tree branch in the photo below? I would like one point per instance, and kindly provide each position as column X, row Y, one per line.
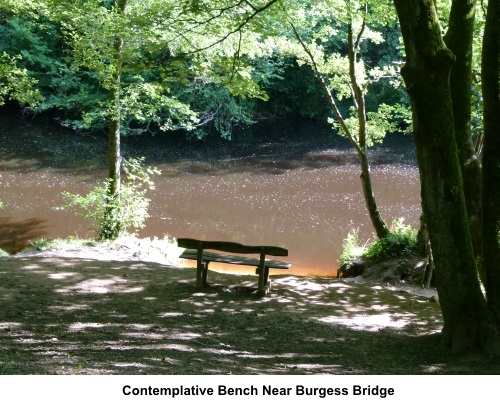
column 326, row 89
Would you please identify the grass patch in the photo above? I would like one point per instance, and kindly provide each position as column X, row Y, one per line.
column 44, row 243
column 6, row 368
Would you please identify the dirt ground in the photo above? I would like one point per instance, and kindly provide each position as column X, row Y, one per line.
column 129, row 309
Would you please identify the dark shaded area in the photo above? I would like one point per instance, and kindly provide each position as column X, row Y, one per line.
column 269, row 146
column 15, row 235
column 66, row 316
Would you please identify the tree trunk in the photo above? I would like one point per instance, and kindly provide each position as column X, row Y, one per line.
column 359, row 145
column 459, row 39
column 491, row 156
column 112, row 223
column 371, row 203
column 467, row 320
column 358, row 96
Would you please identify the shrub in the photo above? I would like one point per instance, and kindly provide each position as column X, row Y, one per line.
column 350, row 248
column 401, row 240
column 130, row 209
column 40, row 244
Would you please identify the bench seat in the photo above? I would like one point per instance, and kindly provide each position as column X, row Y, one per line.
column 196, row 250
column 192, row 254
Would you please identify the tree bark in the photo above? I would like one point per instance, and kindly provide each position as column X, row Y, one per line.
column 371, row 203
column 358, row 96
column 459, row 39
column 491, row 155
column 112, row 224
column 467, row 320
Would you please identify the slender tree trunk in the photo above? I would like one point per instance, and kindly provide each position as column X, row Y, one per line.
column 358, row 96
column 467, row 320
column 459, row 39
column 360, row 146
column 491, row 155
column 371, row 203
column 112, row 224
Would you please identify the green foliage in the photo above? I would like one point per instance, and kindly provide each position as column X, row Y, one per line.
column 41, row 244
column 344, row 43
column 166, row 56
column 15, row 82
column 401, row 240
column 202, row 66
column 130, row 208
column 350, row 248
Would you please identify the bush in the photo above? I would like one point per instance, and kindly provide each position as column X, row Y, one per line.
column 350, row 248
column 130, row 210
column 40, row 244
column 401, row 240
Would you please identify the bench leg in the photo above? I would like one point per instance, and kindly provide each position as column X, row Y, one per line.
column 205, row 274
column 261, row 287
column 264, row 283
column 201, row 274
column 201, row 268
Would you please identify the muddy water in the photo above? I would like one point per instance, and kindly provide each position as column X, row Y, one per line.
column 289, row 184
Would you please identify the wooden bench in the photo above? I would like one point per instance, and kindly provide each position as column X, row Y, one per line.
column 196, row 250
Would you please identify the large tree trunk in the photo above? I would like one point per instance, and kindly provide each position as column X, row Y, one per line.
column 467, row 321
column 459, row 39
column 491, row 155
column 112, row 225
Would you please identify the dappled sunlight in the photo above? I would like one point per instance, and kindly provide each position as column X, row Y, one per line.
column 70, row 308
column 109, row 317
column 170, row 314
column 82, row 326
column 433, row 369
column 300, row 284
column 10, row 325
column 369, row 322
column 112, row 284
column 60, row 276
column 131, row 365
column 144, row 335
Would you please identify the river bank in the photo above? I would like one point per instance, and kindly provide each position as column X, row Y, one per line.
column 111, row 311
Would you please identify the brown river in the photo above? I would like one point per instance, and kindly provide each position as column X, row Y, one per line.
column 291, row 184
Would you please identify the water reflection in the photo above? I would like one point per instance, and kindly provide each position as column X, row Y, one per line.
column 295, row 186
column 15, row 235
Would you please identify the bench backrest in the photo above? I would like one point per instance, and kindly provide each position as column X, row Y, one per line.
column 231, row 247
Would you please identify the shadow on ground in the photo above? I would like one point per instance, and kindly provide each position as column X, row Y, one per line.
column 68, row 316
